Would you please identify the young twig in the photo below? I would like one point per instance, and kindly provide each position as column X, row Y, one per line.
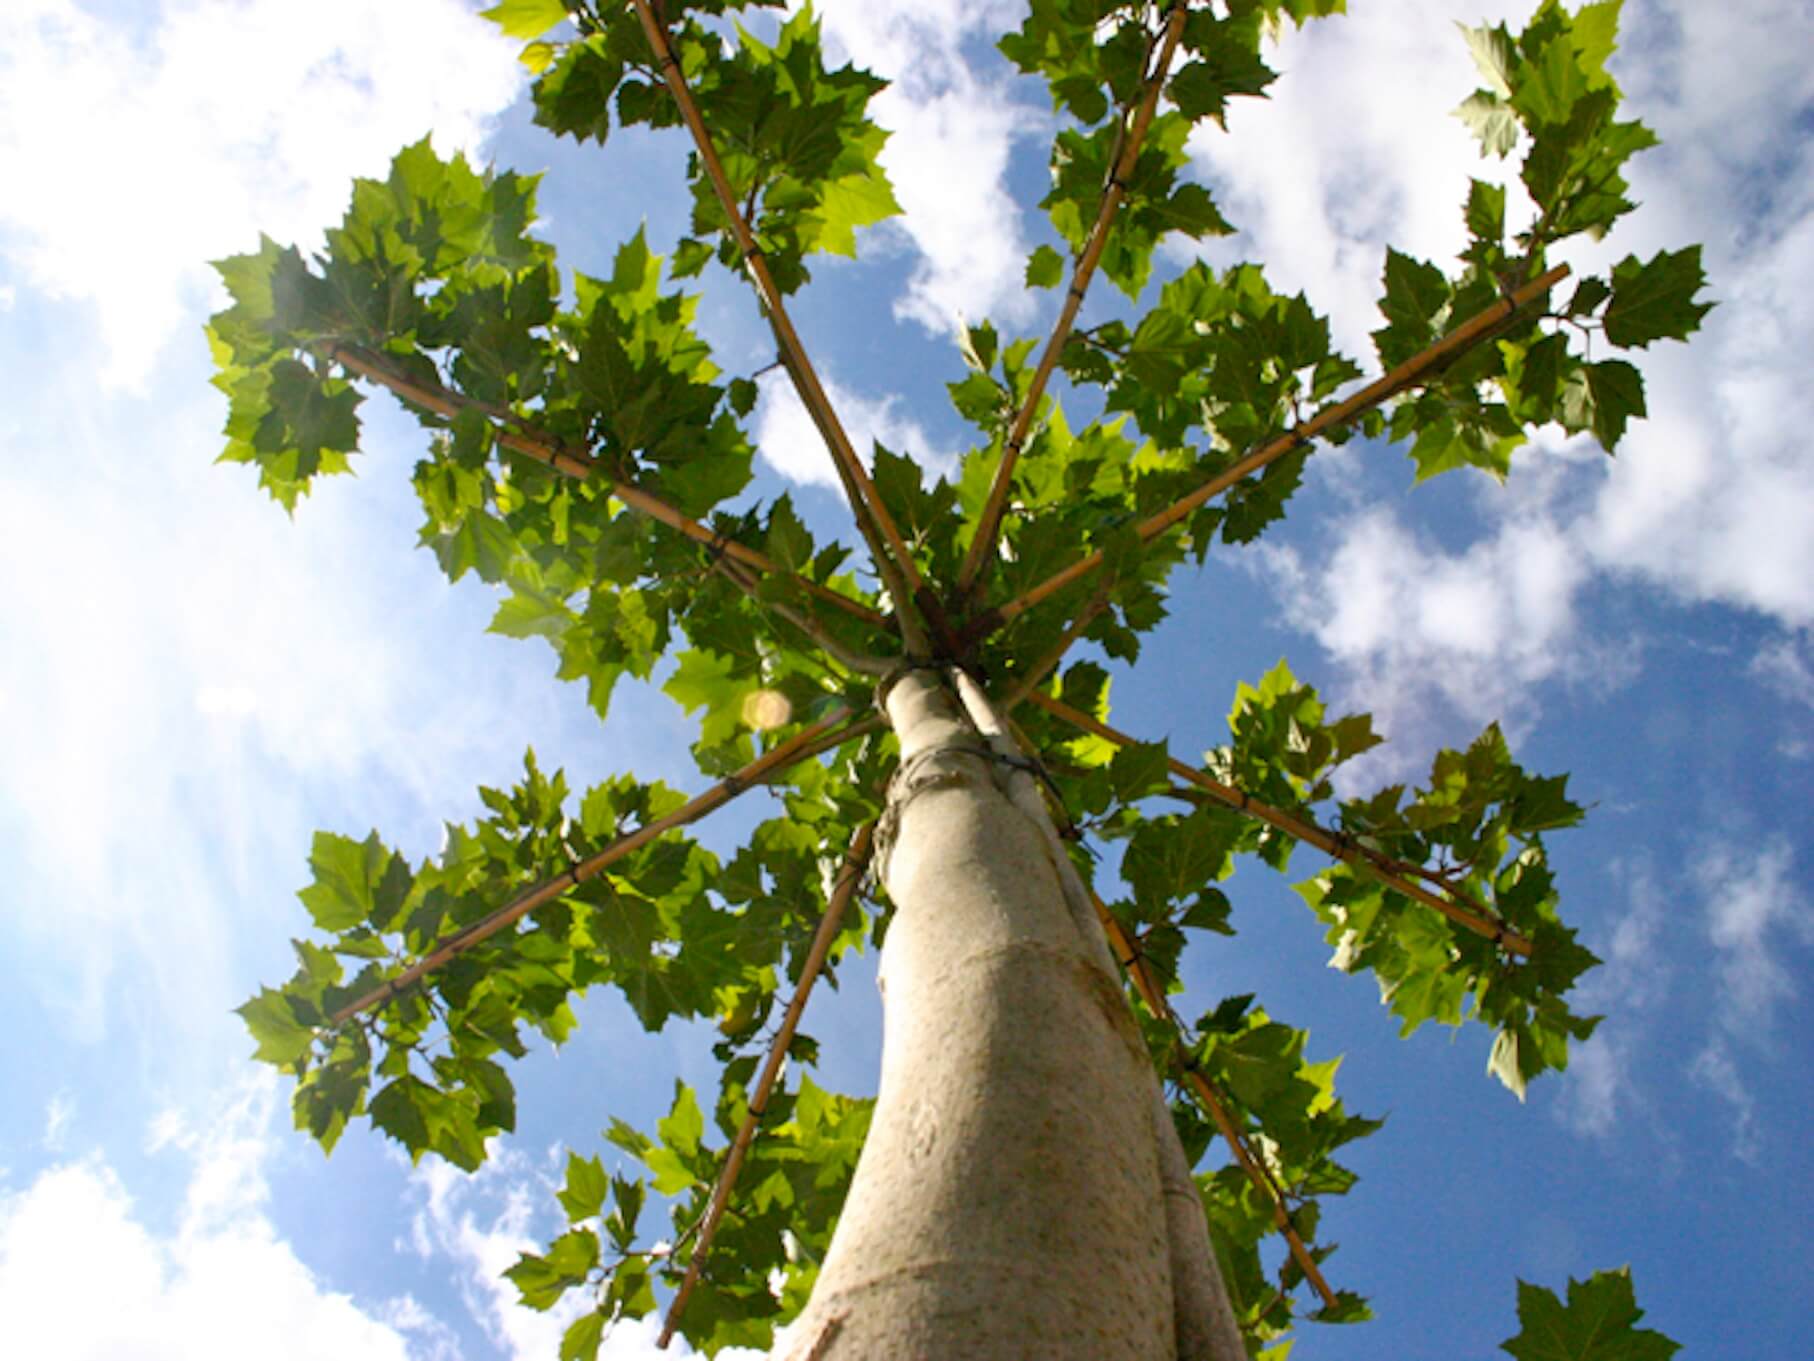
column 1466, row 913
column 802, row 746
column 1407, row 374
column 523, row 438
column 856, row 860
column 982, row 547
column 893, row 561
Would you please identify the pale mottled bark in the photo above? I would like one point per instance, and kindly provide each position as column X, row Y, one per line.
column 1016, row 1197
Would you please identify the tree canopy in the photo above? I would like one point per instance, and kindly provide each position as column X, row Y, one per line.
column 588, row 460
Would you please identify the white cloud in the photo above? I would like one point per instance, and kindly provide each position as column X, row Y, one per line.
column 790, row 443
column 947, row 156
column 482, row 1222
column 1755, row 914
column 1631, row 982
column 57, row 1117
column 1783, row 665
column 1410, row 621
column 1336, row 162
column 141, row 152
column 222, row 1285
column 1714, row 1069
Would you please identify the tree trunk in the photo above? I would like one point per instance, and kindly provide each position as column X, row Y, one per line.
column 1022, row 1193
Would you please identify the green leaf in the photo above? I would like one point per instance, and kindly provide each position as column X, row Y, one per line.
column 705, row 680
column 587, row 1185
column 281, row 1038
column 526, row 18
column 1654, row 300
column 1599, row 1323
column 355, row 881
column 581, row 1340
column 1045, row 268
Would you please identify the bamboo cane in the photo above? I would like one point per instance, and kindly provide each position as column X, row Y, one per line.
column 982, row 547
column 1210, row 1099
column 802, row 746
column 1473, row 916
column 893, row 561
column 1449, row 348
column 525, row 439
column 849, row 876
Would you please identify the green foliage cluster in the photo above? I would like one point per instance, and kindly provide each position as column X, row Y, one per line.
column 435, row 286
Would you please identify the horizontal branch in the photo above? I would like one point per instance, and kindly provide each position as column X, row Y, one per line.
column 1410, row 372
column 856, row 860
column 523, row 438
column 988, row 527
column 1466, row 913
column 802, row 746
column 1207, row 1096
column 893, row 561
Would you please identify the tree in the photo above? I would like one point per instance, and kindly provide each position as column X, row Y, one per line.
column 1025, row 1182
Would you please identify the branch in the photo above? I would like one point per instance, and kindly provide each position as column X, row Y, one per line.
column 803, row 746
column 1467, row 913
column 849, row 876
column 1210, row 1099
column 1451, row 347
column 982, row 547
column 523, row 438
column 893, row 561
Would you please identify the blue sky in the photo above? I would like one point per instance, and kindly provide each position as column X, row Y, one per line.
column 190, row 683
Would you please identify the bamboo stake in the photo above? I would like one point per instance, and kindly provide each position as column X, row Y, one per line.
column 893, row 561
column 525, row 439
column 1412, row 370
column 1210, row 1099
column 1473, row 916
column 982, row 547
column 849, row 876
column 802, row 746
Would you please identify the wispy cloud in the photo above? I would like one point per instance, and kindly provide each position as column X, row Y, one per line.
column 57, row 1118
column 1600, row 1087
column 1715, row 1069
column 1755, row 918
column 1756, row 914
